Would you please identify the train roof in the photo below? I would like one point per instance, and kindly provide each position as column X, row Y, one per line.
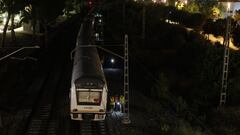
column 87, row 68
column 85, row 35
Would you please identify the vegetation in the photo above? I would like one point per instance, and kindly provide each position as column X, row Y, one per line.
column 190, row 68
column 210, row 8
column 45, row 12
column 178, row 69
column 12, row 7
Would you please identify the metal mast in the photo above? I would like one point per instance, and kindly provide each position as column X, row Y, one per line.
column 126, row 118
column 223, row 94
column 1, row 123
column 143, row 21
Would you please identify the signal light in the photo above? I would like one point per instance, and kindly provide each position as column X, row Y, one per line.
column 90, row 3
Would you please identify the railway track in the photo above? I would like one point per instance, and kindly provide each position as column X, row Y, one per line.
column 50, row 116
column 89, row 128
column 114, row 123
column 42, row 125
column 45, row 96
column 40, row 120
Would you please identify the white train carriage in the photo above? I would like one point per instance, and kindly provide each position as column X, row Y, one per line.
column 88, row 86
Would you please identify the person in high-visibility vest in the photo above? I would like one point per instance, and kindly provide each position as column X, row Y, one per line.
column 122, row 99
column 122, row 102
column 112, row 103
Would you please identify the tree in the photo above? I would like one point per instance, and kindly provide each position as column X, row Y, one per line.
column 215, row 13
column 237, row 15
column 205, row 6
column 209, row 8
column 161, row 88
column 179, row 5
column 207, row 27
column 235, row 35
column 12, row 7
column 6, row 6
column 171, row 2
column 207, row 77
column 218, row 27
column 45, row 12
column 192, row 7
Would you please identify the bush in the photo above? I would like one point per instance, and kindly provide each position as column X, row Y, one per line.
column 161, row 88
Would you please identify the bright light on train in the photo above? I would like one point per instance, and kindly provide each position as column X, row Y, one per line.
column 75, row 110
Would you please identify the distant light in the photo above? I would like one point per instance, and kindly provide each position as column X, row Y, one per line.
column 154, row 1
column 228, row 6
column 17, row 17
column 4, row 20
column 185, row 2
column 112, row 61
column 164, row 1
column 97, row 36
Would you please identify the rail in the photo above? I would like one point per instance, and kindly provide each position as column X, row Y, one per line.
column 18, row 50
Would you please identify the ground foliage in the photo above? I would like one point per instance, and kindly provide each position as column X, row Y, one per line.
column 179, row 69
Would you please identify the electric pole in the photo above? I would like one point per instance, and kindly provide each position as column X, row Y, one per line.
column 223, row 94
column 143, row 22
column 126, row 118
column 1, row 125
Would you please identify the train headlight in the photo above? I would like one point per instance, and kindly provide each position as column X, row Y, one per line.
column 101, row 110
column 100, row 116
column 74, row 110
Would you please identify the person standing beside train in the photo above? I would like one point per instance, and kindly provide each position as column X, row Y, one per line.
column 122, row 102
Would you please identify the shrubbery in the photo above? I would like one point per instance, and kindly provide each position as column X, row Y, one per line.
column 190, row 66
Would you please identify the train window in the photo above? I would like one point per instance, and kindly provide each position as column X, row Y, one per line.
column 89, row 97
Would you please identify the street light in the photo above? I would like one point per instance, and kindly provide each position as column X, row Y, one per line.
column 112, row 61
column 185, row 2
column 228, row 6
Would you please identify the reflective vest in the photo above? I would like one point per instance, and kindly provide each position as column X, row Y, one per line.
column 122, row 100
column 112, row 101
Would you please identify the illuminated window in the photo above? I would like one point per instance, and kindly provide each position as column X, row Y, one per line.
column 89, row 97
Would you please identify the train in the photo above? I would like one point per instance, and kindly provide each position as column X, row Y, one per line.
column 88, row 92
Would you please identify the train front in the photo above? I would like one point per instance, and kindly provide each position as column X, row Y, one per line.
column 88, row 99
